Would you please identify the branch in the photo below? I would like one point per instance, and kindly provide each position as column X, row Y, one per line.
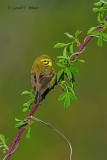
column 86, row 40
column 20, row 132
column 34, row 108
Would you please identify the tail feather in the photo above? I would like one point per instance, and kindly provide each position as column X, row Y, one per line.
column 38, row 97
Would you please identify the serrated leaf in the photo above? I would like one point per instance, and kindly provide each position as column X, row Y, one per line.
column 68, row 35
column 95, row 10
column 26, row 104
column 18, row 125
column 65, row 52
column 75, row 69
column 68, row 72
column 102, row 14
column 91, row 29
column 71, row 90
column 73, row 97
column 17, row 120
column 62, row 57
column 96, row 33
column 98, row 17
column 28, row 133
column 100, row 41
column 28, row 93
column 81, row 61
column 105, row 35
column 25, row 109
column 77, row 33
column 71, row 49
column 67, row 101
column 62, row 96
column 60, row 64
column 2, row 138
column 59, row 74
column 60, row 45
column 98, row 4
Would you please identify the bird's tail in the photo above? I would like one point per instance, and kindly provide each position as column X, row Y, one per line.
column 38, row 97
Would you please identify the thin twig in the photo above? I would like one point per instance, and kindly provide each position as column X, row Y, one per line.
column 50, row 126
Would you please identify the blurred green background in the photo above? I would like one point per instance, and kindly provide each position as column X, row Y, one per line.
column 24, row 35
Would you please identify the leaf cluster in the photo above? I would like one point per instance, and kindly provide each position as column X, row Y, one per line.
column 28, row 104
column 101, row 8
column 70, row 46
column 27, row 124
column 67, row 69
column 3, row 144
column 27, row 107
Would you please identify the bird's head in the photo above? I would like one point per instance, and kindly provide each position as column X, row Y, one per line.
column 44, row 60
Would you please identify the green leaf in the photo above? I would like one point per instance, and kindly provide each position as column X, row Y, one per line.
column 71, row 90
column 95, row 10
column 73, row 97
column 77, row 33
column 20, row 123
column 28, row 133
column 96, row 33
column 100, row 41
column 99, row 17
column 28, row 104
column 91, row 29
column 75, row 69
column 2, row 138
column 81, row 61
column 104, row 1
column 62, row 57
column 25, row 109
column 65, row 52
column 102, row 14
column 67, row 101
column 62, row 96
column 71, row 49
column 98, row 4
column 68, row 35
column 105, row 35
column 68, row 72
column 59, row 74
column 28, row 93
column 60, row 64
column 17, row 120
column 60, row 45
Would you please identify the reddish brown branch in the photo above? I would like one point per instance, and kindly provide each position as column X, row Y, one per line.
column 20, row 132
column 86, row 40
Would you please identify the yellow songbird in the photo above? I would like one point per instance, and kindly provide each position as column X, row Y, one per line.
column 43, row 76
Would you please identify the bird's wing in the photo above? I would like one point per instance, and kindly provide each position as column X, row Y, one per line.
column 33, row 81
column 44, row 79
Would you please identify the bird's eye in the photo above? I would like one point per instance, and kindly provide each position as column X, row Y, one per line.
column 44, row 60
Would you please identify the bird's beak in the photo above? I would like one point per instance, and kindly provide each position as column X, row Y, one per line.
column 53, row 59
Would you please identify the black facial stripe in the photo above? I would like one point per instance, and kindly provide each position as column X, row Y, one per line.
column 46, row 63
